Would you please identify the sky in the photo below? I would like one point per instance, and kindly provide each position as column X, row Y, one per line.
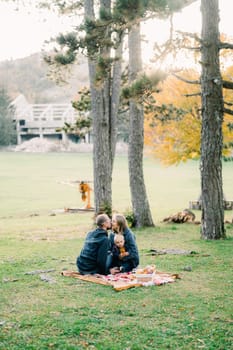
column 23, row 33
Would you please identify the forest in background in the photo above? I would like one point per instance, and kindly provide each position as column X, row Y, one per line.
column 30, row 76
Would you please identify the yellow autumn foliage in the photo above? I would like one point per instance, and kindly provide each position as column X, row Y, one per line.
column 176, row 141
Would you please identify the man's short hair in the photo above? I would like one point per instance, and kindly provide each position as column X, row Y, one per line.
column 101, row 219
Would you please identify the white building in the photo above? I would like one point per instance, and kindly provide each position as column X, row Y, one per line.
column 42, row 120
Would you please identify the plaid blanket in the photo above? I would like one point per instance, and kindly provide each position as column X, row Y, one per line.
column 122, row 281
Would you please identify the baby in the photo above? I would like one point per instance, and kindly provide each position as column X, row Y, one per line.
column 119, row 242
column 120, row 256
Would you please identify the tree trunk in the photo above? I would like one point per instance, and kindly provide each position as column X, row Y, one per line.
column 212, row 222
column 104, row 115
column 141, row 209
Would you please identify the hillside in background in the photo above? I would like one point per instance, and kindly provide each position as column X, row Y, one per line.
column 30, row 76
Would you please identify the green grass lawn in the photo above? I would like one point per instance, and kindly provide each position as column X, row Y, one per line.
column 193, row 313
column 32, row 183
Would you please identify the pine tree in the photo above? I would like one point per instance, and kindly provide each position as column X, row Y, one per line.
column 7, row 127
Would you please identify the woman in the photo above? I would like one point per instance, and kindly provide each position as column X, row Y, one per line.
column 131, row 260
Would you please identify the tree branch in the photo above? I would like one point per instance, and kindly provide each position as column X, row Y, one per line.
column 227, row 84
column 191, row 95
column 228, row 103
column 196, row 82
column 194, row 48
column 228, row 111
column 225, row 46
column 191, row 35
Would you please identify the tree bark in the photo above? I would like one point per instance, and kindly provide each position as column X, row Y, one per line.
column 141, row 209
column 104, row 108
column 212, row 222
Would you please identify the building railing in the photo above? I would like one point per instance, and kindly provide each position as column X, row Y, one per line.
column 43, row 119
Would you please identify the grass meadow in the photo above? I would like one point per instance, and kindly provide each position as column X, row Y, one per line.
column 40, row 309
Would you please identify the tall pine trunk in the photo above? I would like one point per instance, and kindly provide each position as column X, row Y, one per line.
column 104, row 109
column 141, row 209
column 212, row 222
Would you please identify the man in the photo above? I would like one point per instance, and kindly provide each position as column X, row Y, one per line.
column 94, row 254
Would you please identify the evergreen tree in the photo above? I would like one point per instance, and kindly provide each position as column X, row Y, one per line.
column 131, row 12
column 7, row 127
column 140, row 204
column 212, row 222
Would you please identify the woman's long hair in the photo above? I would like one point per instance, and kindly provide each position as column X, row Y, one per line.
column 121, row 222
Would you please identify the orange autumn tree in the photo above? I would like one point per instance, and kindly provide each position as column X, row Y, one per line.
column 228, row 117
column 173, row 127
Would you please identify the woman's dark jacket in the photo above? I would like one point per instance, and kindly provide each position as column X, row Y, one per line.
column 130, row 246
column 93, row 256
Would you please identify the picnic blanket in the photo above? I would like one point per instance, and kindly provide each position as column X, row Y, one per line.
column 123, row 281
